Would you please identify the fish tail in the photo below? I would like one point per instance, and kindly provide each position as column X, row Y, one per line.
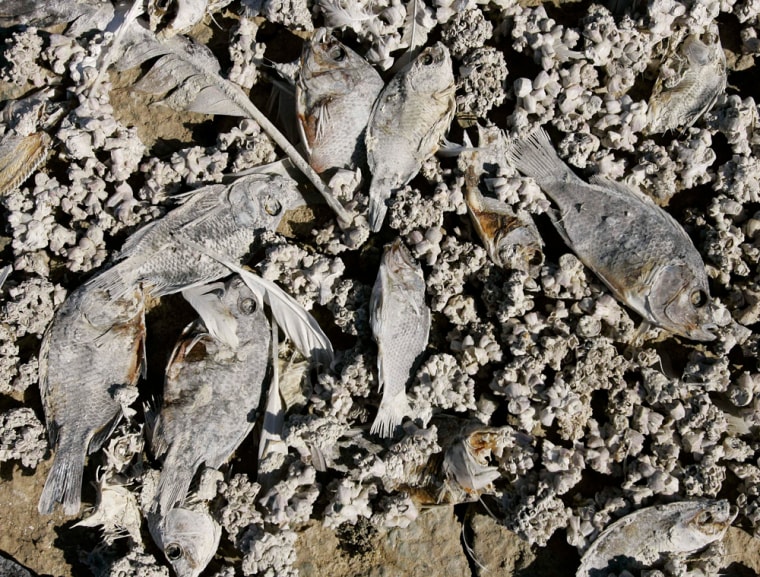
column 378, row 194
column 392, row 411
column 64, row 482
column 536, row 157
column 112, row 281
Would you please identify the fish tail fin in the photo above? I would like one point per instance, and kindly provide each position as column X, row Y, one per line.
column 536, row 157
column 392, row 411
column 64, row 481
column 378, row 194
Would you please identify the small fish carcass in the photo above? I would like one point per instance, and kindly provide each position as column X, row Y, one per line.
column 400, row 321
column 636, row 248
column 408, row 121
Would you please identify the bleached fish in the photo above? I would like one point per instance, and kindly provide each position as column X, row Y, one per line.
column 702, row 81
column 223, row 219
column 213, row 387
column 407, row 123
column 400, row 321
column 636, row 248
column 639, row 539
column 92, row 354
column 20, row 156
column 335, row 91
column 188, row 538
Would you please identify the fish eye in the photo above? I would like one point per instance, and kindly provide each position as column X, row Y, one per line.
column 698, row 298
column 338, row 53
column 427, row 59
column 273, row 207
column 248, row 306
column 173, row 551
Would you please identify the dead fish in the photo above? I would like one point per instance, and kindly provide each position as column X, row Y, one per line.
column 703, row 79
column 20, row 156
column 406, row 125
column 400, row 322
column 213, row 386
column 91, row 357
column 10, row 568
column 171, row 17
column 639, row 539
column 86, row 14
column 188, row 538
column 335, row 91
column 636, row 248
column 223, row 219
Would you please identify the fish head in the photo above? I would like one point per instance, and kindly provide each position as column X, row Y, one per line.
column 679, row 300
column 248, row 310
column 707, row 521
column 261, row 200
column 397, row 258
column 189, row 540
column 431, row 72
column 328, row 65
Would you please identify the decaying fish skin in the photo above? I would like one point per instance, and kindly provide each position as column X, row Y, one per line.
column 20, row 156
column 210, row 381
column 182, row 14
column 10, row 568
column 335, row 91
column 636, row 248
column 511, row 240
column 639, row 539
column 188, row 538
column 223, row 219
column 703, row 80
column 407, row 123
column 400, row 321
column 459, row 474
column 91, row 357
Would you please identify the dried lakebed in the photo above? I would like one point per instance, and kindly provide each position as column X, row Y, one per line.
column 535, row 376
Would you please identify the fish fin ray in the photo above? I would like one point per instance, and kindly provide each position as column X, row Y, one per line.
column 536, row 157
column 391, row 413
column 64, row 481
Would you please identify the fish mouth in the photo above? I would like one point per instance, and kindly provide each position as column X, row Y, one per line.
column 704, row 332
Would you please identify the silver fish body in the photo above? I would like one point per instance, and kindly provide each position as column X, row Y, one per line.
column 212, row 389
column 335, row 91
column 702, row 81
column 639, row 539
column 408, row 121
column 188, row 538
column 636, row 248
column 400, row 321
column 164, row 254
column 92, row 351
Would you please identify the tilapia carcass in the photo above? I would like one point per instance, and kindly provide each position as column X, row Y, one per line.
column 400, row 321
column 701, row 81
column 641, row 538
column 91, row 355
column 213, row 387
column 408, row 121
column 164, row 254
column 335, row 91
column 636, row 248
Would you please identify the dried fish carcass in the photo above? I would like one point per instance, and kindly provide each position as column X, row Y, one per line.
column 636, row 248
column 20, row 156
column 335, row 91
column 189, row 539
column 213, row 386
column 400, row 321
column 223, row 219
column 641, row 538
column 408, row 121
column 91, row 357
column 677, row 102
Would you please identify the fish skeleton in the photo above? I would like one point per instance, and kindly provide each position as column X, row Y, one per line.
column 636, row 248
column 92, row 351
column 224, row 219
column 400, row 322
column 407, row 123
column 335, row 91
column 213, row 387
column 639, row 539
column 703, row 80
